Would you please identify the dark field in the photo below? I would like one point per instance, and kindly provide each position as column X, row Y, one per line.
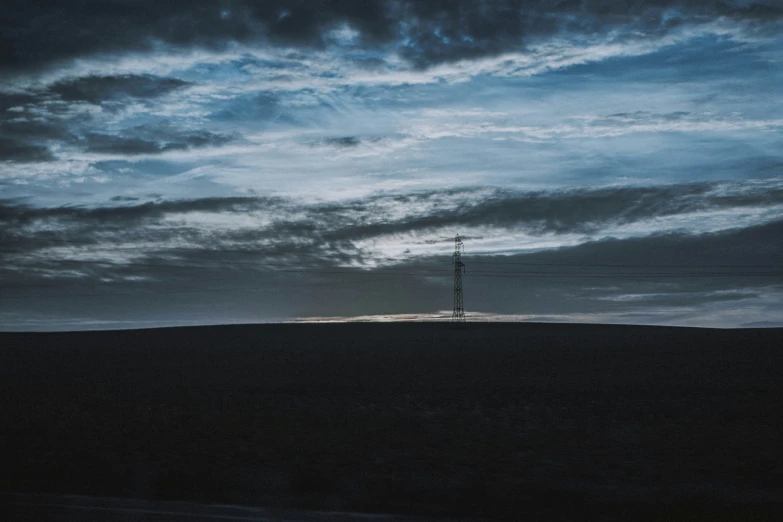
column 556, row 422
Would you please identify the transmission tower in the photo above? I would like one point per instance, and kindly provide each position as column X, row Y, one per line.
column 459, row 309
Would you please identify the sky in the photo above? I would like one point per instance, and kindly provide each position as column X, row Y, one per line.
column 205, row 162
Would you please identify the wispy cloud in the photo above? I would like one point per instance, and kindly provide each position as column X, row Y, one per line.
column 387, row 228
column 437, row 124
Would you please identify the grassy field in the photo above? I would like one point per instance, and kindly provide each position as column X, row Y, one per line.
column 501, row 421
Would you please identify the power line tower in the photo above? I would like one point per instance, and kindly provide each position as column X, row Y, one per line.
column 459, row 309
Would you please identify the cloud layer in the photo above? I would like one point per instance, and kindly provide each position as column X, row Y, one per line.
column 425, row 33
column 322, row 152
column 384, row 231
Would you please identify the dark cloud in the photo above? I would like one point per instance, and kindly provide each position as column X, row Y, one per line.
column 647, row 116
column 762, row 324
column 644, row 273
column 27, row 127
column 345, row 141
column 150, row 168
column 108, row 144
column 152, row 140
column 16, row 151
column 29, row 121
column 49, row 114
column 97, row 89
column 302, row 228
column 756, row 245
column 33, row 34
column 16, row 213
column 565, row 211
column 45, row 128
column 12, row 100
column 28, row 141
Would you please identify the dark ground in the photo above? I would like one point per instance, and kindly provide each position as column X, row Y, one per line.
column 571, row 422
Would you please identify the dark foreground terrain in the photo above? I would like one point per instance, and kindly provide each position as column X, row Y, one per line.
column 557, row 422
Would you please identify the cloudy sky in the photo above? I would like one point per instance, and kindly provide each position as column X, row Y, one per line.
column 234, row 161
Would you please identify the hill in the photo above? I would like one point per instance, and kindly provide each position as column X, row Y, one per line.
column 487, row 419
